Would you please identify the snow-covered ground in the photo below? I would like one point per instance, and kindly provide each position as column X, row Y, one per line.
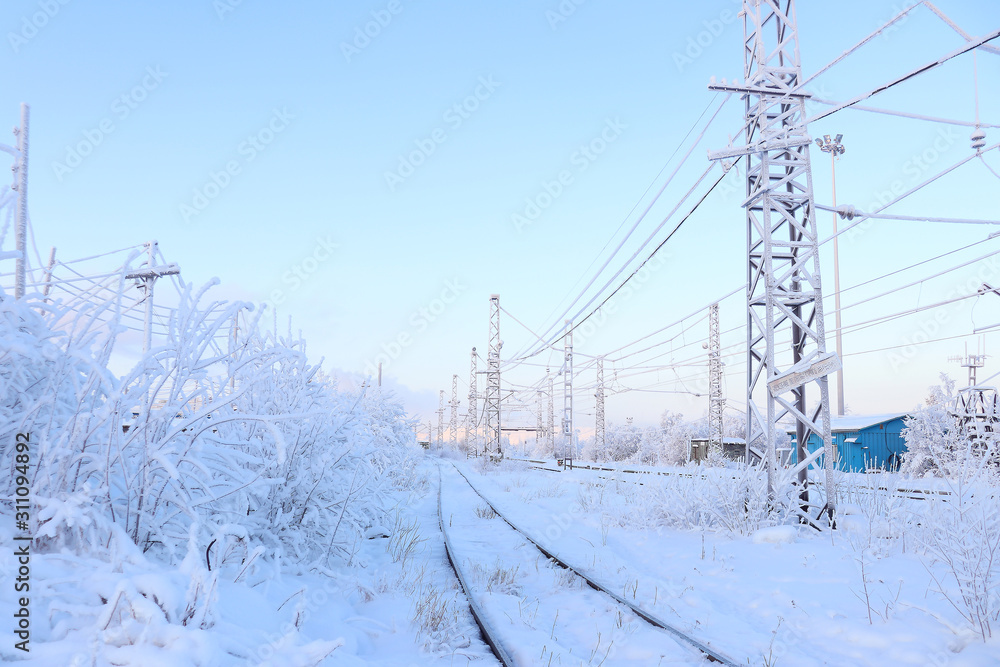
column 783, row 595
column 397, row 603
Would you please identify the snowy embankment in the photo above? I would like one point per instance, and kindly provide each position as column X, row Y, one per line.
column 222, row 503
column 869, row 593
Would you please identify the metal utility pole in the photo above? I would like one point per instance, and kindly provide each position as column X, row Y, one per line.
column 440, row 412
column 492, row 406
column 977, row 408
column 539, row 428
column 471, row 427
column 234, row 342
column 48, row 273
column 716, row 403
column 21, row 221
column 599, row 427
column 784, row 291
column 835, row 148
column 972, row 362
column 147, row 277
column 550, row 432
column 567, row 420
column 453, row 426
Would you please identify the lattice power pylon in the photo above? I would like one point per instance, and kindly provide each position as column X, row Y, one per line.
column 977, row 408
column 550, row 432
column 472, row 427
column 453, row 425
column 492, row 405
column 784, row 295
column 599, row 395
column 716, row 403
column 21, row 212
column 971, row 362
column 440, row 412
column 539, row 427
column 567, row 419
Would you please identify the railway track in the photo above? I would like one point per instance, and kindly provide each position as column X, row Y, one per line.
column 910, row 493
column 686, row 649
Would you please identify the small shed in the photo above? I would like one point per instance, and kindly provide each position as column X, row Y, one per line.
column 733, row 449
column 864, row 442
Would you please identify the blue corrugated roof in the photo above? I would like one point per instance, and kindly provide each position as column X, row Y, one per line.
column 849, row 423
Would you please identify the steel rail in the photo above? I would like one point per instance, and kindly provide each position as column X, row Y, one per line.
column 710, row 653
column 488, row 633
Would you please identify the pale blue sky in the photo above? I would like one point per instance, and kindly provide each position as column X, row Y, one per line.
column 329, row 126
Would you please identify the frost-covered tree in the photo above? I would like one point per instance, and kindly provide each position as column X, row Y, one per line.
column 676, row 438
column 621, row 443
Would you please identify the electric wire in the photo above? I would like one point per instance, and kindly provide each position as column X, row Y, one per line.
column 635, row 226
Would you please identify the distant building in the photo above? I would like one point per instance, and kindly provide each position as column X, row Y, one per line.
column 733, row 449
column 864, row 442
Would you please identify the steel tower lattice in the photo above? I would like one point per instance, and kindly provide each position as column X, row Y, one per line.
column 716, row 403
column 539, row 427
column 492, row 406
column 551, row 430
column 567, row 419
column 453, row 425
column 784, row 291
column 471, row 428
column 440, row 412
column 599, row 426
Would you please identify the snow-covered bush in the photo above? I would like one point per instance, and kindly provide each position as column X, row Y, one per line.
column 959, row 530
column 251, row 445
column 666, row 444
column 621, row 443
column 674, row 439
column 220, row 457
column 931, row 438
column 936, row 442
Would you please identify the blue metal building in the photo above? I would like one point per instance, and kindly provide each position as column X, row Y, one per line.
column 864, row 442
